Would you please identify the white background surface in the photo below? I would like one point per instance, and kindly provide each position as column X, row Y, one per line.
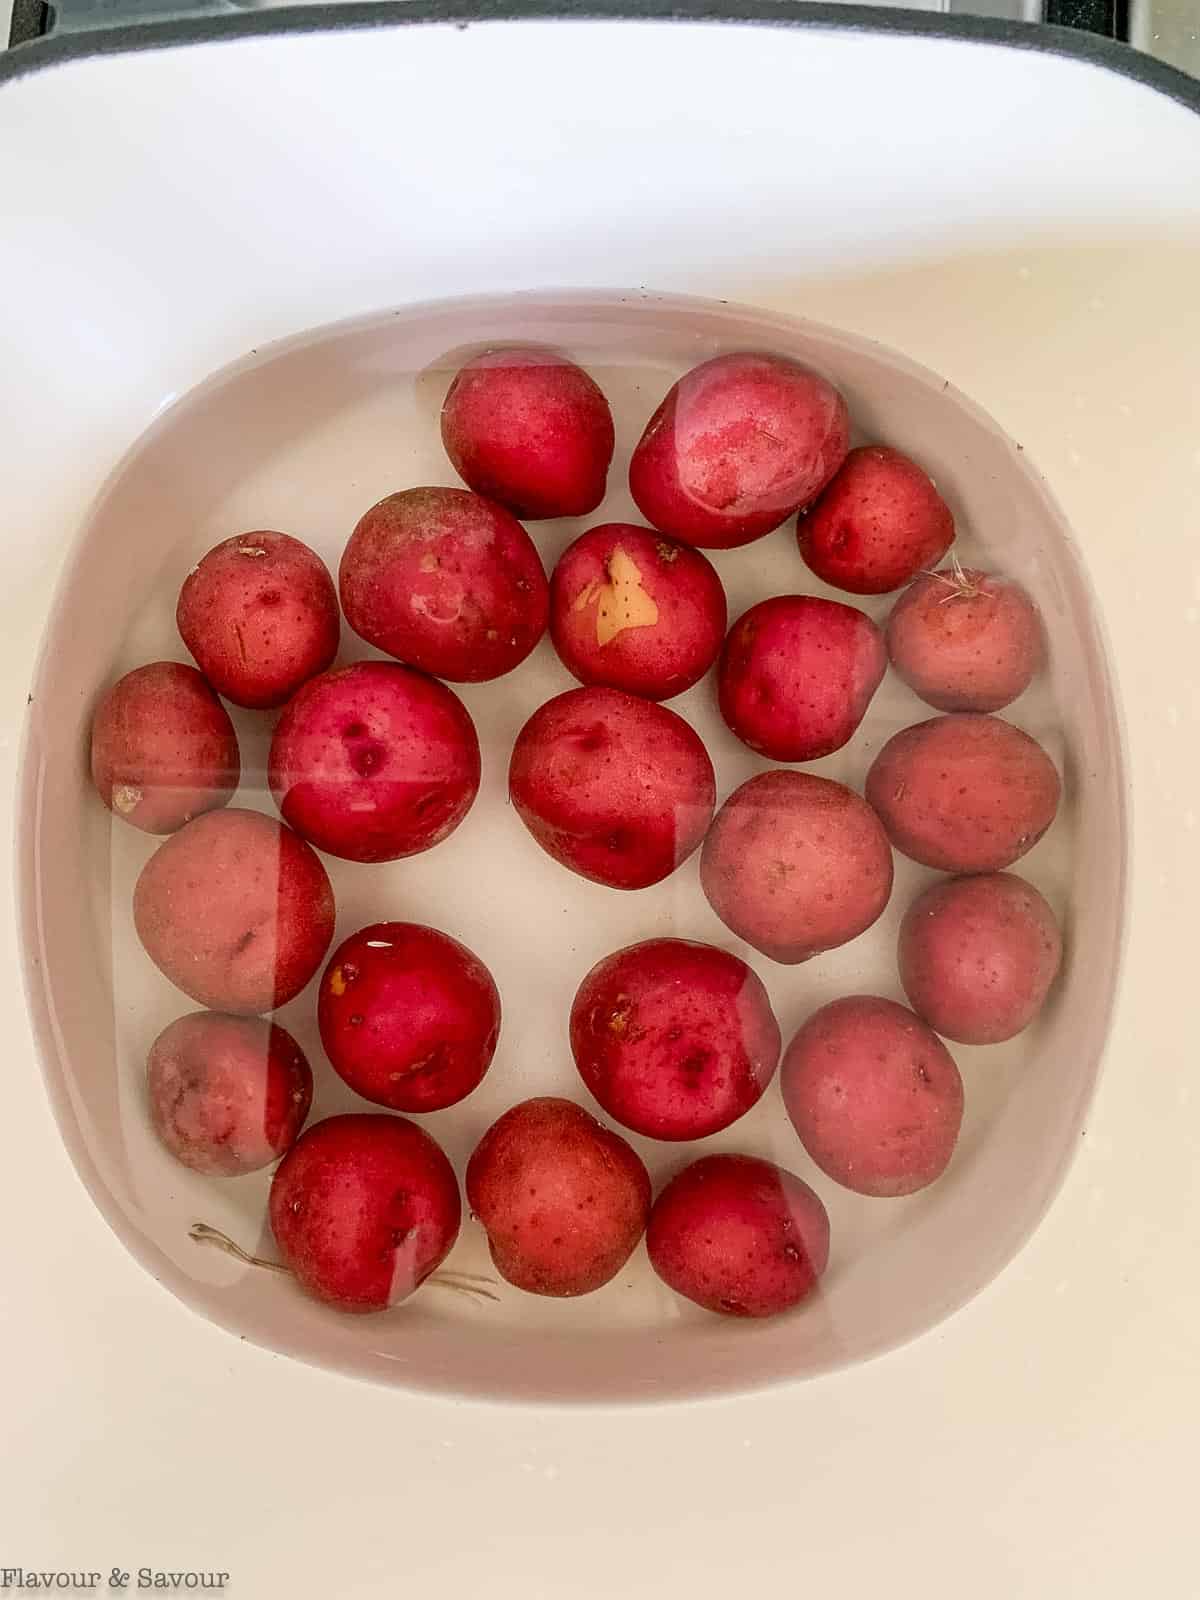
column 1041, row 1443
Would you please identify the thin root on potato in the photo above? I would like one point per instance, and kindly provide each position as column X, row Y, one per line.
column 472, row 1284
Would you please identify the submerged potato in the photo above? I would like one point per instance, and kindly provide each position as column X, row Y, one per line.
column 446, row 581
column 797, row 675
column 635, row 610
column 260, row 616
column 363, row 1208
column 617, row 789
column 675, row 1039
column 564, row 1200
column 796, row 864
column 735, row 447
column 874, row 1096
column 964, row 793
column 530, row 429
column 163, row 748
column 236, row 910
column 965, row 640
column 739, row 1235
column 228, row 1095
column 374, row 762
column 978, row 955
column 408, row 1016
column 879, row 521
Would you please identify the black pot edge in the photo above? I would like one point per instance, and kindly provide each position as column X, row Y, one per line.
column 1109, row 54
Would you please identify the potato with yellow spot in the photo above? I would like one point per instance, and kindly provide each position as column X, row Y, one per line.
column 631, row 609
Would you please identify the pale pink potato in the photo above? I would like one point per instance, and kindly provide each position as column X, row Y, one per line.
column 739, row 1236
column 964, row 793
column 796, row 864
column 617, row 789
column 260, row 616
column 965, row 640
column 163, row 748
column 738, row 444
column 374, row 761
column 675, row 1039
column 363, row 1208
column 446, row 581
column 879, row 522
column 874, row 1096
column 563, row 1199
column 634, row 610
column 228, row 1095
column 797, row 675
column 236, row 910
column 977, row 956
column 529, row 428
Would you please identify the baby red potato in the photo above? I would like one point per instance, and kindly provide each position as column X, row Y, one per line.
column 530, row 429
column 228, row 1095
column 965, row 640
column 374, row 762
column 738, row 444
column 408, row 1016
column 446, row 581
column 260, row 616
column 978, row 955
column 637, row 611
column 878, row 523
column 739, row 1235
column 163, row 748
column 236, row 910
column 675, row 1039
column 617, row 789
column 964, row 793
column 796, row 864
column 564, row 1200
column 874, row 1096
column 797, row 675
column 363, row 1208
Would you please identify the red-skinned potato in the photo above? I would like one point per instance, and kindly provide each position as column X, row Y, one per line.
column 675, row 1039
column 260, row 616
column 564, row 1200
column 408, row 1016
column 878, row 522
column 965, row 640
column 530, row 429
column 796, row 864
column 977, row 956
column 163, row 748
column 446, row 581
column 236, row 910
column 739, row 1235
column 797, row 674
column 363, row 1208
column 964, row 793
column 617, row 789
column 228, row 1095
column 374, row 761
column 874, row 1096
column 737, row 445
column 635, row 610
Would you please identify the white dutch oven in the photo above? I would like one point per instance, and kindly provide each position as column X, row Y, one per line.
column 1015, row 210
